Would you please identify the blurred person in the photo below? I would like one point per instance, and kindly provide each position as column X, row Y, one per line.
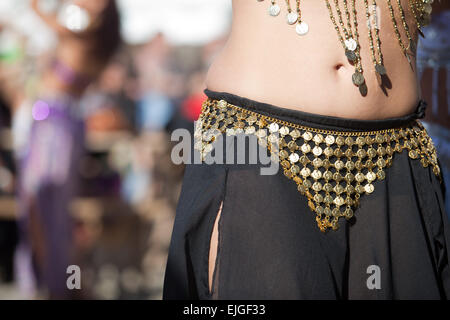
column 110, row 104
column 155, row 107
column 191, row 105
column 355, row 211
column 11, row 62
column 433, row 59
column 48, row 169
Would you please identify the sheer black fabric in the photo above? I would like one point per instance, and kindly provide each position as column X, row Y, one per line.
column 271, row 248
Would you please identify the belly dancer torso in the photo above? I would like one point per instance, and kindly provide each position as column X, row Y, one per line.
column 267, row 61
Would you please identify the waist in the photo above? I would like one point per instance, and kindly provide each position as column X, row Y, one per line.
column 317, row 88
column 317, row 121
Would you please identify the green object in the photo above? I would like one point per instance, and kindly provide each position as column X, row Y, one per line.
column 11, row 55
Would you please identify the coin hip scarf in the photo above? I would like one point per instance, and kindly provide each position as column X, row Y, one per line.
column 371, row 186
column 332, row 168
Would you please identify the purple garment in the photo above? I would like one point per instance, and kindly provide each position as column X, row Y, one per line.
column 47, row 182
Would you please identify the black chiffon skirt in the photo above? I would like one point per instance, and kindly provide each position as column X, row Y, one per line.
column 269, row 246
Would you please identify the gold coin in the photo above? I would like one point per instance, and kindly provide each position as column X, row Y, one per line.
column 292, row 146
column 250, row 130
column 381, row 163
column 413, row 154
column 260, row 133
column 350, row 189
column 361, row 153
column 350, row 165
column 340, row 141
column 338, row 153
column 360, row 177
column 318, row 138
column 359, row 165
column 370, row 176
column 284, row 131
column 349, row 177
column 338, row 189
column 285, row 164
column 339, row 164
column 327, row 175
column 319, row 209
column 328, row 187
column 381, row 175
column 304, row 160
column 318, row 198
column 351, row 55
column 380, row 69
column 295, row 169
column 369, row 188
column 294, row 158
column 316, row 174
column 222, row 104
column 231, row 132
column 360, row 141
column 358, row 78
column 348, row 213
column 307, row 136
column 317, row 162
column 252, row 119
column 307, row 183
column 305, row 172
column 371, row 152
column 369, row 164
column 328, row 152
column 317, row 151
column 301, row 189
column 317, row 186
column 360, row 189
column 329, row 140
column 339, row 201
column 349, row 141
column 273, row 127
column 272, row 138
column 381, row 151
column 349, row 153
column 305, row 148
column 337, row 177
column 295, row 134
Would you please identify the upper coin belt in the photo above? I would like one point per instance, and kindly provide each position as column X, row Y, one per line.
column 331, row 168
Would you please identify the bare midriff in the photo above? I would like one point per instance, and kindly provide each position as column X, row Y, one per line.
column 267, row 61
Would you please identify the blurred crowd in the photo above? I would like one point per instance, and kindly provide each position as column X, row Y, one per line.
column 120, row 114
column 123, row 206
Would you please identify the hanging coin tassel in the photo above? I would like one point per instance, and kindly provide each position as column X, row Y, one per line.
column 302, row 28
column 274, row 9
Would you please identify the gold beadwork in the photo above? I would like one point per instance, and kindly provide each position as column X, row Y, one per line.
column 333, row 169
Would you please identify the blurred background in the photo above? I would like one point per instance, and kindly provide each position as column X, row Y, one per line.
column 98, row 188
column 127, row 187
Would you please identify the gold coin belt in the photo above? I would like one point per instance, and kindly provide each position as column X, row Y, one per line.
column 333, row 169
